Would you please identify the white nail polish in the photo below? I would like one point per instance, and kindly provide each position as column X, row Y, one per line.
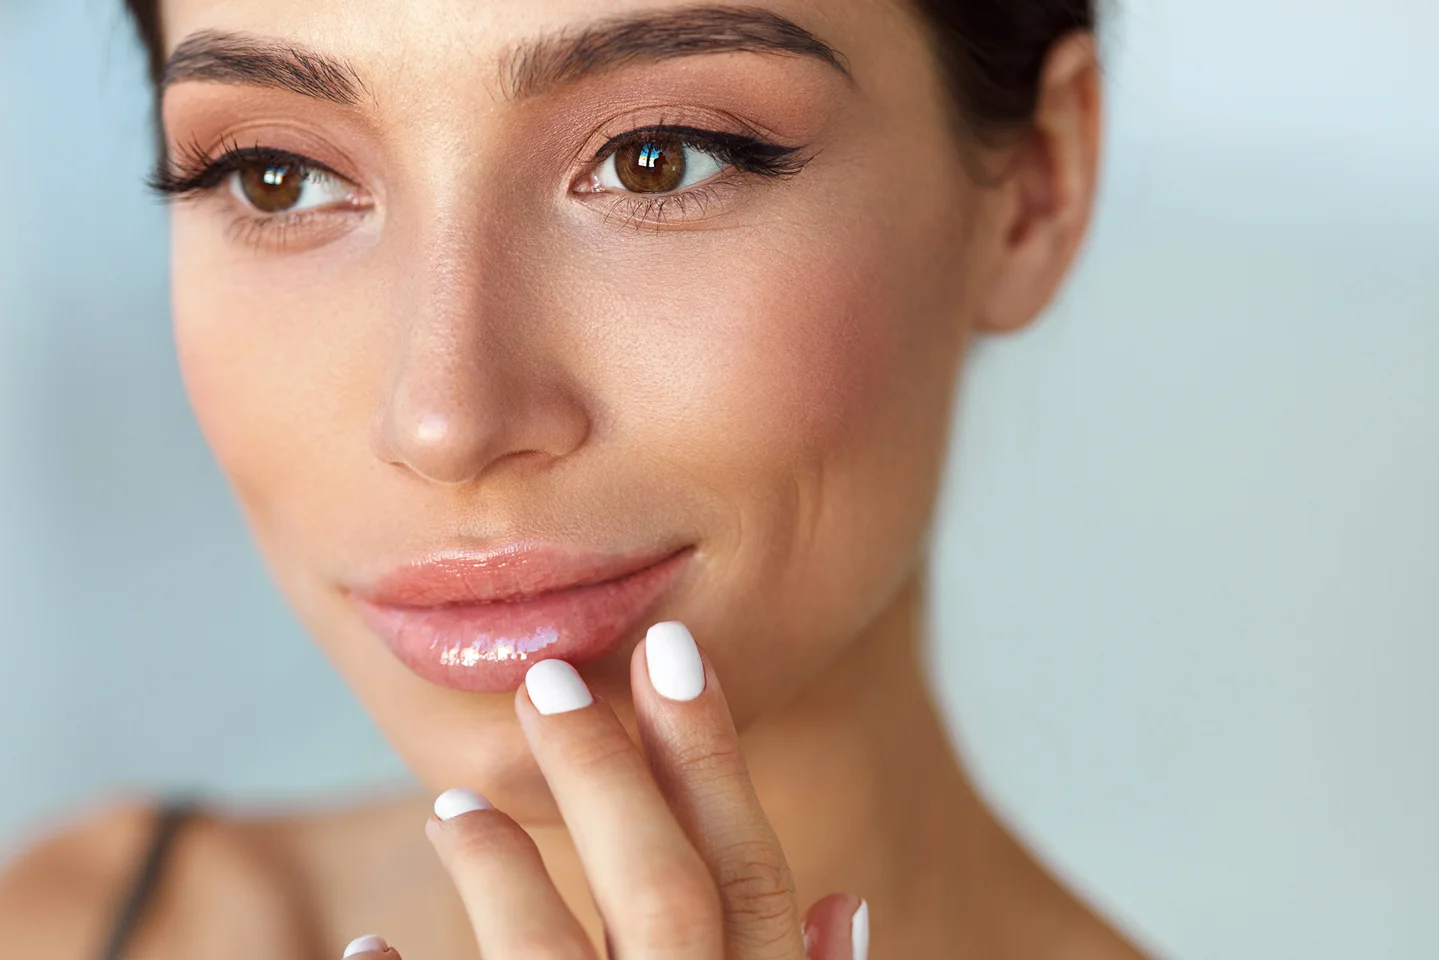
column 859, row 932
column 452, row 803
column 366, row 944
column 673, row 660
column 556, row 687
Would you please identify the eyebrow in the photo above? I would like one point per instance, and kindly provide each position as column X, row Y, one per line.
column 528, row 69
column 541, row 65
column 259, row 62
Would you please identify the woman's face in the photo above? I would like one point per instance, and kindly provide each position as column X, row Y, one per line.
column 466, row 325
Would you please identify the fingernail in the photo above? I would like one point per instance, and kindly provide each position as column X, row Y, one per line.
column 556, row 687
column 369, row 943
column 452, row 803
column 673, row 660
column 859, row 932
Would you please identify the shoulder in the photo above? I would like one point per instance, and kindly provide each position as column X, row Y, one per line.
column 57, row 893
column 218, row 896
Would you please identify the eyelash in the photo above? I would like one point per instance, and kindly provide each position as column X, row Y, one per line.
column 193, row 173
column 741, row 151
column 747, row 154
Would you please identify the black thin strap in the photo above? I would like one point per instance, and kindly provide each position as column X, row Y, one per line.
column 168, row 819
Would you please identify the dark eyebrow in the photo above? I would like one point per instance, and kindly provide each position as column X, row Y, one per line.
column 529, row 69
column 238, row 58
column 541, row 65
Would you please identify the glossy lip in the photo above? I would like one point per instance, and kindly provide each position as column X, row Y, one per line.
column 478, row 621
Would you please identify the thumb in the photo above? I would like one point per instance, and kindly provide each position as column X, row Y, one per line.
column 836, row 927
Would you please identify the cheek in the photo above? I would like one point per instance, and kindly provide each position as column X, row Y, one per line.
column 274, row 384
column 798, row 389
column 754, row 356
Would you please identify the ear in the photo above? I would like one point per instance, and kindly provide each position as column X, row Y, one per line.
column 1048, row 190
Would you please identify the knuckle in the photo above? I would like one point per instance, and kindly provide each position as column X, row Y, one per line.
column 540, row 947
column 715, row 758
column 718, row 754
column 600, row 752
column 756, row 885
column 676, row 910
column 490, row 837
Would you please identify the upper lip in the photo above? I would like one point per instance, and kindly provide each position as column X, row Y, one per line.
column 515, row 571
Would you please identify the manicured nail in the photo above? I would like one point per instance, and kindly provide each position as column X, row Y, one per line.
column 452, row 803
column 366, row 944
column 674, row 663
column 556, row 687
column 859, row 932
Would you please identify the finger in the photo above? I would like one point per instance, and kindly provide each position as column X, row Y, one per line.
column 837, row 928
column 694, row 753
column 651, row 887
column 370, row 947
column 512, row 903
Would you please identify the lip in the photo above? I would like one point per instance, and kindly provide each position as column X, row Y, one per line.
column 478, row 621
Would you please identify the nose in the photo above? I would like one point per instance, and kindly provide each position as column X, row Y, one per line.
column 472, row 383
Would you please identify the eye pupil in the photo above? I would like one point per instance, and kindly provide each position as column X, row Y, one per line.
column 651, row 166
column 274, row 188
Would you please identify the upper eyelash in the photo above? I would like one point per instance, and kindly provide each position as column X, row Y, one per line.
column 194, row 172
column 748, row 153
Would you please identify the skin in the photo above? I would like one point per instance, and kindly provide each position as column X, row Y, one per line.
column 480, row 354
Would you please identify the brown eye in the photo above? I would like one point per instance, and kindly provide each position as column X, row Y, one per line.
column 280, row 187
column 655, row 164
column 274, row 188
column 651, row 166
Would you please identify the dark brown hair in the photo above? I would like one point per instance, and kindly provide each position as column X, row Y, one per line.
column 992, row 51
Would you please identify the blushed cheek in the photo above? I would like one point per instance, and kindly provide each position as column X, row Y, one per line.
column 831, row 371
column 820, row 356
column 818, row 353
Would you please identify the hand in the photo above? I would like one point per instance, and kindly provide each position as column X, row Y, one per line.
column 681, row 860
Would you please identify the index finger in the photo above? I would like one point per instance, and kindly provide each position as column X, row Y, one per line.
column 694, row 753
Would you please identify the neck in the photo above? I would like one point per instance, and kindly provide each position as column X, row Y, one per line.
column 861, row 754
column 867, row 794
column 864, row 755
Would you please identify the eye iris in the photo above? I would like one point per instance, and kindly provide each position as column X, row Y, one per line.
column 272, row 188
column 651, row 166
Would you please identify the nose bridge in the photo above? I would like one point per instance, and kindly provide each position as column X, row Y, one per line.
column 470, row 384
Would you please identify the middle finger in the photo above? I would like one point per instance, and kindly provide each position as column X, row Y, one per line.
column 652, row 888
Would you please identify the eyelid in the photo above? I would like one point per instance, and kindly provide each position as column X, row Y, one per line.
column 194, row 171
column 751, row 153
column 721, row 142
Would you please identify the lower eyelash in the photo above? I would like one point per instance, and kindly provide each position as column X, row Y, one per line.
column 641, row 211
column 265, row 231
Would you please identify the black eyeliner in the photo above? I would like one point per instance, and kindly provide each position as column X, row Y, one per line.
column 195, row 173
column 746, row 153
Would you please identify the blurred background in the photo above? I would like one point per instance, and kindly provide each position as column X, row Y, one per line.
column 1187, row 597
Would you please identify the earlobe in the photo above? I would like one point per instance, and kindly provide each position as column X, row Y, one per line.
column 1048, row 189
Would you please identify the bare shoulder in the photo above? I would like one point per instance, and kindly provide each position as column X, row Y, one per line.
column 218, row 895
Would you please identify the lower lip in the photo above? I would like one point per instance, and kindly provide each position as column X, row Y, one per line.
column 488, row 647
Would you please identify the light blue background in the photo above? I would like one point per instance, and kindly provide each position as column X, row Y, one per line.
column 1186, row 617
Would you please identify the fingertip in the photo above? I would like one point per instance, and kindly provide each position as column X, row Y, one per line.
column 368, row 945
column 555, row 686
column 859, row 932
column 453, row 804
column 673, row 662
column 458, row 801
column 836, row 927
